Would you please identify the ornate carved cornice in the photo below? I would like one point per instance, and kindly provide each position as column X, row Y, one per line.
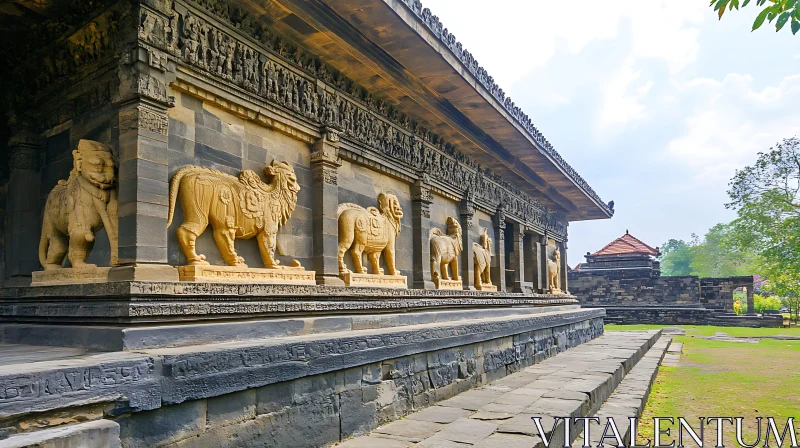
column 433, row 23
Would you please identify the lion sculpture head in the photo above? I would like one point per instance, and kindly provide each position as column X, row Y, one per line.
column 454, row 230
column 389, row 206
column 94, row 162
column 284, row 186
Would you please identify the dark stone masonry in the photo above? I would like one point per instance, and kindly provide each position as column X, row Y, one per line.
column 625, row 279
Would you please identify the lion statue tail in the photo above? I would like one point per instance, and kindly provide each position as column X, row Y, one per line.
column 44, row 245
column 173, row 190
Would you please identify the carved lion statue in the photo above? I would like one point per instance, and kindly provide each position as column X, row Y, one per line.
column 482, row 255
column 236, row 207
column 372, row 231
column 445, row 248
column 78, row 207
column 553, row 271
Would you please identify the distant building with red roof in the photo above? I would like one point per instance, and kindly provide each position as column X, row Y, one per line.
column 626, row 256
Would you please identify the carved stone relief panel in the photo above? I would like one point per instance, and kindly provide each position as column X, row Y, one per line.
column 242, row 207
column 446, row 246
column 75, row 210
column 372, row 232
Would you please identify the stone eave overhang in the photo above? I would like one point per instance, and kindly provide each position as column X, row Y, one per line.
column 399, row 52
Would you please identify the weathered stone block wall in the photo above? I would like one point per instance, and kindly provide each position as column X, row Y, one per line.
column 717, row 293
column 598, row 290
column 686, row 316
column 323, row 409
column 201, row 134
column 441, row 209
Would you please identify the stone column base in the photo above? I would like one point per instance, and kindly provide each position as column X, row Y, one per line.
column 144, row 272
column 70, row 276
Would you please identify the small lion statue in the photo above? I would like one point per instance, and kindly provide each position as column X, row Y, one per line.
column 553, row 271
column 482, row 255
column 445, row 248
column 372, row 231
column 236, row 207
column 78, row 207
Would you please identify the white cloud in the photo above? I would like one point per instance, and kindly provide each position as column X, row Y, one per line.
column 620, row 106
column 528, row 32
column 729, row 121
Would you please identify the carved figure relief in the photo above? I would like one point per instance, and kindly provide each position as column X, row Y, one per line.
column 482, row 255
column 445, row 249
column 78, row 207
column 553, row 271
column 372, row 231
column 235, row 207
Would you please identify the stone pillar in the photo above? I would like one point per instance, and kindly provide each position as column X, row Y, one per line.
column 421, row 199
column 23, row 206
column 751, row 304
column 545, row 271
column 518, row 257
column 324, row 203
column 467, row 262
column 564, row 268
column 536, row 249
column 499, row 255
column 143, row 168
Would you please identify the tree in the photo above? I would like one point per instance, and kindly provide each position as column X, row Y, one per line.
column 720, row 255
column 782, row 11
column 766, row 197
column 676, row 258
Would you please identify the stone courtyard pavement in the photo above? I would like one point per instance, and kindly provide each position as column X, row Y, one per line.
column 576, row 383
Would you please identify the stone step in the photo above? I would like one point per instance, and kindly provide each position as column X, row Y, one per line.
column 630, row 397
column 95, row 434
column 574, row 383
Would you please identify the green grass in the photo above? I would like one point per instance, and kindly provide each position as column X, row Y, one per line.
column 733, row 379
column 702, row 330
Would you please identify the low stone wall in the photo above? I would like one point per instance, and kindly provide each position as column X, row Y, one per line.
column 597, row 290
column 717, row 293
column 686, row 316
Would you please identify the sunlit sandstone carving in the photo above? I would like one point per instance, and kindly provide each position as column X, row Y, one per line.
column 236, row 207
column 75, row 210
column 482, row 254
column 371, row 231
column 445, row 249
column 553, row 271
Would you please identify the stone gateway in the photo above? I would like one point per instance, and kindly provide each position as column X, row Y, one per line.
column 410, row 221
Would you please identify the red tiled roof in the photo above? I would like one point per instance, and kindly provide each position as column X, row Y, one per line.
column 626, row 244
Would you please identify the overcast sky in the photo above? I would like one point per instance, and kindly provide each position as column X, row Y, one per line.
column 654, row 102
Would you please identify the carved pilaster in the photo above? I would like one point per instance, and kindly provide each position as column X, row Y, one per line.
column 325, row 200
column 499, row 258
column 467, row 264
column 143, row 165
column 421, row 199
column 564, row 273
column 23, row 200
column 518, row 258
column 544, row 256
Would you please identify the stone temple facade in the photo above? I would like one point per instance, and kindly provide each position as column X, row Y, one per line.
column 624, row 278
column 288, row 205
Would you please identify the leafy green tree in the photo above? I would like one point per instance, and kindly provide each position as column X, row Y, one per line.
column 676, row 258
column 720, row 255
column 781, row 11
column 766, row 197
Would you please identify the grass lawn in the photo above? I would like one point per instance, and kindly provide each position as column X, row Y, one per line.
column 726, row 379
